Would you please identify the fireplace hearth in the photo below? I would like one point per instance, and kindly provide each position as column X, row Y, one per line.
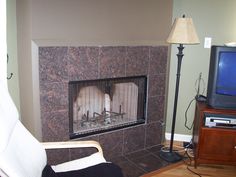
column 103, row 105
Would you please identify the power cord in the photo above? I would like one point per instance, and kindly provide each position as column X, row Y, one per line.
column 189, row 162
column 178, row 149
column 186, row 116
column 198, row 95
column 189, row 150
column 198, row 82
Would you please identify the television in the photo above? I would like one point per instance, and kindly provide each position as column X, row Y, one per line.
column 221, row 89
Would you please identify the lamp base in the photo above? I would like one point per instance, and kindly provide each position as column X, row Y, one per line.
column 170, row 156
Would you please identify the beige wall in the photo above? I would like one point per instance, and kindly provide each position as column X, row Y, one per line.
column 12, row 67
column 212, row 18
column 81, row 22
column 3, row 46
column 24, row 33
column 103, row 22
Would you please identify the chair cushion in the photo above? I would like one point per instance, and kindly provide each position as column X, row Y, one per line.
column 48, row 172
column 100, row 170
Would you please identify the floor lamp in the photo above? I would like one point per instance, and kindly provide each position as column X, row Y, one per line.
column 182, row 32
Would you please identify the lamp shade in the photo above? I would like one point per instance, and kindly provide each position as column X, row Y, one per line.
column 183, row 32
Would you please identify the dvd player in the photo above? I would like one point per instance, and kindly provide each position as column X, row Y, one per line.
column 218, row 121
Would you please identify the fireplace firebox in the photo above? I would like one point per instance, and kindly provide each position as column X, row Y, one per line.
column 102, row 105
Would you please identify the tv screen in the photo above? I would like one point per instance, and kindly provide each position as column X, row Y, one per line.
column 221, row 90
column 226, row 78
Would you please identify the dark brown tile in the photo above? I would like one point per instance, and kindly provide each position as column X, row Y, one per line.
column 87, row 138
column 55, row 126
column 83, row 63
column 137, row 154
column 134, row 139
column 157, row 85
column 77, row 153
column 137, row 61
column 53, row 64
column 153, row 134
column 148, row 162
column 156, row 107
column 155, row 149
column 57, row 156
column 129, row 168
column 53, row 96
column 112, row 143
column 118, row 159
column 112, row 62
column 158, row 60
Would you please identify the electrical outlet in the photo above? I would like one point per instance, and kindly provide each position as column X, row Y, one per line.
column 207, row 42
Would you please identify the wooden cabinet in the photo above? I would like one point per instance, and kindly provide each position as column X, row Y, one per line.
column 213, row 145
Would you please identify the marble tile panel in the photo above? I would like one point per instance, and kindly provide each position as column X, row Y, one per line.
column 157, row 85
column 112, row 62
column 134, row 139
column 55, row 126
column 57, row 156
column 76, row 153
column 155, row 109
column 153, row 134
column 137, row 61
column 137, row 154
column 83, row 63
column 53, row 64
column 148, row 163
column 158, row 60
column 154, row 149
column 112, row 143
column 53, row 96
column 129, row 168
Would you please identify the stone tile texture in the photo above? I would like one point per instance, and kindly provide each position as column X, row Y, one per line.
column 59, row 65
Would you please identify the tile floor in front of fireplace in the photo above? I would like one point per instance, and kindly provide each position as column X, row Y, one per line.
column 140, row 162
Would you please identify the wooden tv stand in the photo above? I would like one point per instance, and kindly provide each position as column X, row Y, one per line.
column 213, row 145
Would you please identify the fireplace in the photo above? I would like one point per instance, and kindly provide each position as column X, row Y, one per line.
column 59, row 65
column 102, row 105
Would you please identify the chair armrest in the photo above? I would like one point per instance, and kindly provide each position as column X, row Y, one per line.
column 72, row 144
column 2, row 174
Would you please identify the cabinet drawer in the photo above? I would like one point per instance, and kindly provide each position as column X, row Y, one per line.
column 218, row 144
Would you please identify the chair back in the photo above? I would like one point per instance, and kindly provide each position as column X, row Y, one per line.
column 21, row 155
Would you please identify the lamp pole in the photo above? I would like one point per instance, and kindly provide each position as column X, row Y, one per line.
column 169, row 155
column 180, row 56
column 182, row 32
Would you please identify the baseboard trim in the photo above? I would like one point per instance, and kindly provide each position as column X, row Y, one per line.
column 179, row 137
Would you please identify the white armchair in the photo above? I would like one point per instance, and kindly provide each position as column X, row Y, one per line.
column 21, row 155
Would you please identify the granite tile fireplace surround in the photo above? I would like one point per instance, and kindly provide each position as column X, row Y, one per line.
column 59, row 65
